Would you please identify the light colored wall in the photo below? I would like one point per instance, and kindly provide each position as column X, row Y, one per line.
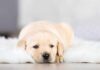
column 83, row 15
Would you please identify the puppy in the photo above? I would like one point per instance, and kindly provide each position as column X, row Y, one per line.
column 46, row 42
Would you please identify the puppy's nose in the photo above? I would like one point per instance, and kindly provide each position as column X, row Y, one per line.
column 45, row 56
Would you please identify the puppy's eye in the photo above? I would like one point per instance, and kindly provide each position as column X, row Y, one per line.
column 51, row 45
column 36, row 46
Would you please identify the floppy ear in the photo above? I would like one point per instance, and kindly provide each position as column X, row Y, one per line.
column 60, row 52
column 21, row 43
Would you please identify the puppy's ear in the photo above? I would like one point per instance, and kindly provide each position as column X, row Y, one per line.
column 60, row 52
column 21, row 43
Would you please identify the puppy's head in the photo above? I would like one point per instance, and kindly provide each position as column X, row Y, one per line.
column 42, row 46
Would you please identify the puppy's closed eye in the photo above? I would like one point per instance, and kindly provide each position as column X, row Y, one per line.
column 36, row 46
column 51, row 45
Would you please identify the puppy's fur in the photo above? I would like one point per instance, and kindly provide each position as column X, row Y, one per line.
column 38, row 37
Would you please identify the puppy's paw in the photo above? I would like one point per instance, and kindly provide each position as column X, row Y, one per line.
column 59, row 59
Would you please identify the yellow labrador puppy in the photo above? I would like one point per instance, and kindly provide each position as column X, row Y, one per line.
column 46, row 42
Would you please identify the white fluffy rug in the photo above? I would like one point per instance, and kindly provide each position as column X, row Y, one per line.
column 81, row 51
column 9, row 53
column 84, row 51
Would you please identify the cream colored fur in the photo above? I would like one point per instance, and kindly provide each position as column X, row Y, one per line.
column 59, row 34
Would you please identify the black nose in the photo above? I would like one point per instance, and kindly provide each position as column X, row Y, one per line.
column 45, row 56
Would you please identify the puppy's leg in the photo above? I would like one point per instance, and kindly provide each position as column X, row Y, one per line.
column 60, row 52
column 59, row 59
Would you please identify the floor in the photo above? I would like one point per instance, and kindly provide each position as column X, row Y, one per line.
column 73, row 66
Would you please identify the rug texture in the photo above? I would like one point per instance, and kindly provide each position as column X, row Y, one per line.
column 81, row 51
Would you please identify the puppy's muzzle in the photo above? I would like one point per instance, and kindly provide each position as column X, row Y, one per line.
column 46, row 57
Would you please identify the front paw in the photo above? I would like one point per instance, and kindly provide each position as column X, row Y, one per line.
column 59, row 59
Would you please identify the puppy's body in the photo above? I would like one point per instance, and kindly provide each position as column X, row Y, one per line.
column 63, row 30
column 45, row 34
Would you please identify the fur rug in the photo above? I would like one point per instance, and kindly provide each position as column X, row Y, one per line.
column 81, row 51
column 9, row 53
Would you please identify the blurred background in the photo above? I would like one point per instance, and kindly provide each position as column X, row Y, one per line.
column 83, row 15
